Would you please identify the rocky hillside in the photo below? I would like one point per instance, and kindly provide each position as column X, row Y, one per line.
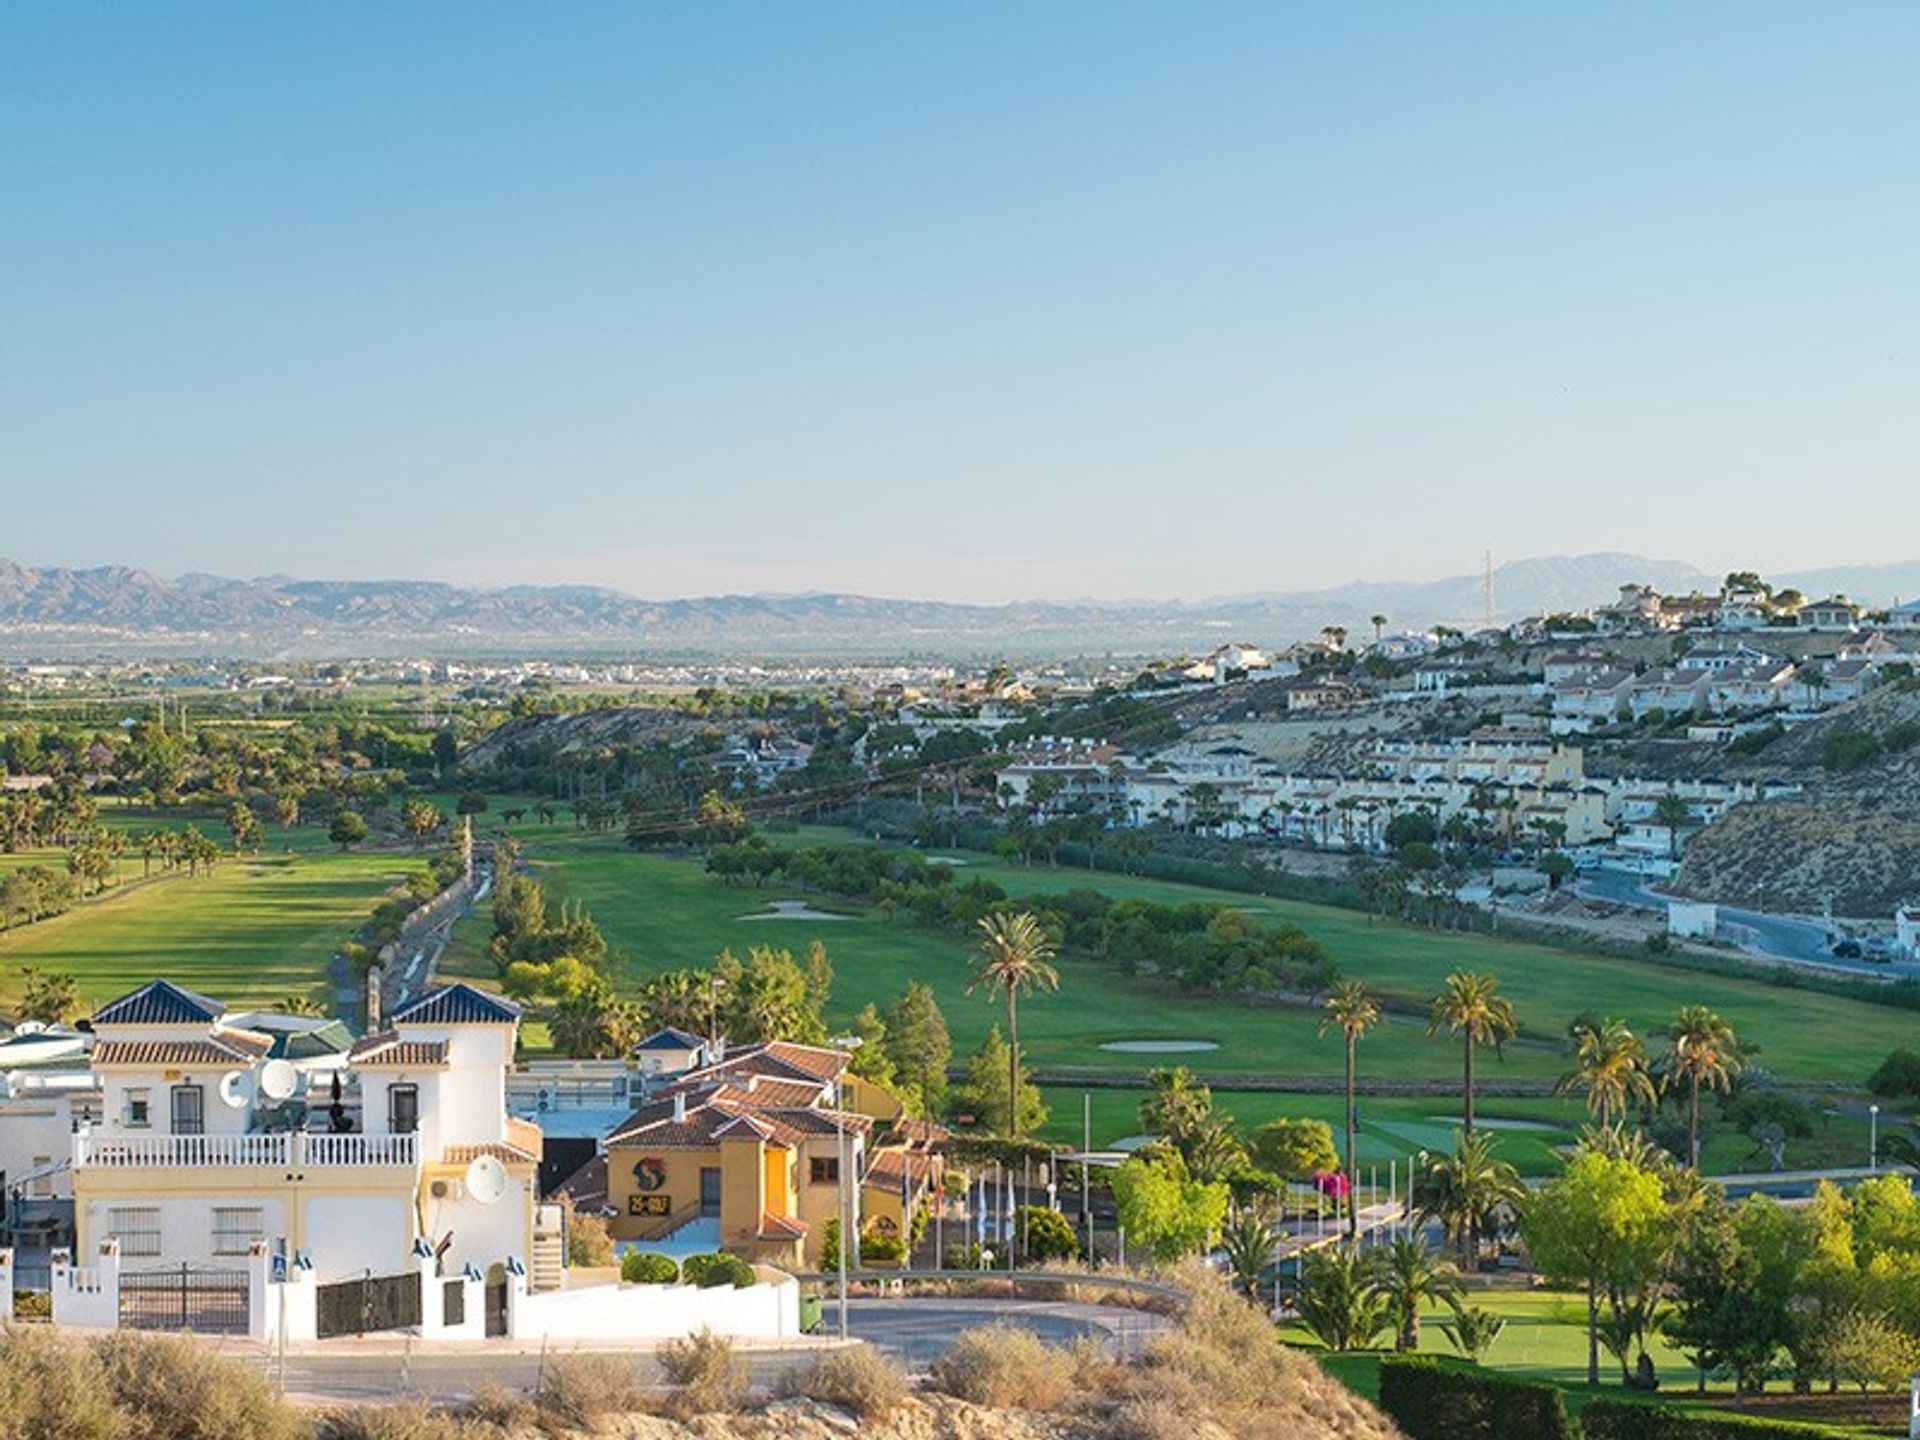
column 537, row 737
column 1852, row 836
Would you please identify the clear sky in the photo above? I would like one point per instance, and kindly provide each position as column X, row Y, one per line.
column 972, row 301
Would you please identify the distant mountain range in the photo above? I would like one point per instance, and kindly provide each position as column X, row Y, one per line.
column 52, row 613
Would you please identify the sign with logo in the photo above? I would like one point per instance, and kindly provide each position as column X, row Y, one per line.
column 657, row 1205
column 885, row 1225
column 650, row 1173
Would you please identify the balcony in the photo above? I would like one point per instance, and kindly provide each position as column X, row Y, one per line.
column 286, row 1151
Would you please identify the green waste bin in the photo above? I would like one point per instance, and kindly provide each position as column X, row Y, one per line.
column 809, row 1314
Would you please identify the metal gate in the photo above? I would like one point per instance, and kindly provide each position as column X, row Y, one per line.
column 369, row 1303
column 184, row 1297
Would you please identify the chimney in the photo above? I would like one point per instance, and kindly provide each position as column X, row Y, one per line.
column 679, row 1106
column 753, row 1083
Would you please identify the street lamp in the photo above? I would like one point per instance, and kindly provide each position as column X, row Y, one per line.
column 1873, row 1137
column 847, row 1044
column 715, row 984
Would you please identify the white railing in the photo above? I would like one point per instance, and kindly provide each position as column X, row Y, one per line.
column 140, row 1152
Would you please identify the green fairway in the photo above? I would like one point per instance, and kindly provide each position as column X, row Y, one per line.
column 256, row 930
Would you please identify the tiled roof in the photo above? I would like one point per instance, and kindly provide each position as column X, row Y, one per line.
column 160, row 1002
column 226, row 1047
column 743, row 1125
column 507, row 1154
column 920, row 1132
column 457, row 1004
column 389, row 1051
column 587, row 1186
column 781, row 1227
column 888, row 1168
column 670, row 1039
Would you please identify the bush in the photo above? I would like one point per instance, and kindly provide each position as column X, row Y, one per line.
column 1433, row 1400
column 50, row 1385
column 1004, row 1367
column 644, row 1267
column 181, row 1392
column 579, row 1389
column 411, row 1421
column 588, row 1243
column 1048, row 1234
column 709, row 1271
column 1620, row 1420
column 1897, row 1077
column 707, row 1374
column 882, row 1249
column 857, row 1378
column 1846, row 750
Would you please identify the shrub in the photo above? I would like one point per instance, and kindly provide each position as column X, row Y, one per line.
column 1622, row 1420
column 1846, row 750
column 857, row 1378
column 503, row 1408
column 1004, row 1367
column 644, row 1267
column 50, row 1385
column 708, row 1271
column 588, row 1243
column 1897, row 1076
column 882, row 1249
column 410, row 1421
column 1431, row 1400
column 579, row 1389
column 705, row 1371
column 181, row 1392
column 1048, row 1234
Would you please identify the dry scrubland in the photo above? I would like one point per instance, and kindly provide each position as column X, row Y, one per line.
column 1219, row 1374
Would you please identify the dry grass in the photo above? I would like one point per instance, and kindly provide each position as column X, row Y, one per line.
column 708, row 1376
column 856, row 1378
column 409, row 1421
column 173, row 1389
column 581, row 1389
column 1005, row 1368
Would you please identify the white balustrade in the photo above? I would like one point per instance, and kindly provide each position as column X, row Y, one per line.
column 92, row 1149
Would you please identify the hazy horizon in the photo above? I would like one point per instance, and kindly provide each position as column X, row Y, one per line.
column 1006, row 304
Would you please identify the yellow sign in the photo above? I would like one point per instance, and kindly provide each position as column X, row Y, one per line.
column 649, row 1205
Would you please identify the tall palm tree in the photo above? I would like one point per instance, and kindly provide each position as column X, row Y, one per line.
column 1249, row 1240
column 1406, row 1275
column 1472, row 1007
column 1705, row 1051
column 1015, row 957
column 1466, row 1191
column 1353, row 1010
column 1610, row 1069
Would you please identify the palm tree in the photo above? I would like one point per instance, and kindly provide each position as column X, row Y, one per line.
column 1675, row 814
column 1352, row 1008
column 1406, row 1275
column 1610, row 1068
column 1015, row 957
column 1249, row 1240
column 1466, row 1191
column 1336, row 1302
column 1473, row 1007
column 1379, row 626
column 296, row 1005
column 1473, row 1331
column 1705, row 1051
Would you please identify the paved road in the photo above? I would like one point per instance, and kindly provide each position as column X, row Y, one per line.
column 1777, row 937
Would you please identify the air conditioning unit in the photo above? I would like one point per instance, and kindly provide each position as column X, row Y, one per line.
column 445, row 1190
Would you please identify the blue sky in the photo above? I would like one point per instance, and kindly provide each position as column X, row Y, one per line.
column 973, row 301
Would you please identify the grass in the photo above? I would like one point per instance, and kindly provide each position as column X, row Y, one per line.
column 261, row 927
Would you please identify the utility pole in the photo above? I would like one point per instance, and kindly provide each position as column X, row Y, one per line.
column 1486, row 591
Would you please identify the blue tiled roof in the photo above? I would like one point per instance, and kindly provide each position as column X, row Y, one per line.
column 457, row 1004
column 160, row 1002
column 670, row 1039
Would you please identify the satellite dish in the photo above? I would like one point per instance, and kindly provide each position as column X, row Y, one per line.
column 16, row 1081
column 236, row 1089
column 278, row 1080
column 487, row 1180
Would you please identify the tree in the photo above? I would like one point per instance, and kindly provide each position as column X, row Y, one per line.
column 1602, row 1223
column 1610, row 1069
column 1295, row 1150
column 1249, row 1240
column 474, row 802
column 919, row 1045
column 1705, row 1051
column 1472, row 1007
column 1466, row 1191
column 1164, row 1208
column 1675, row 815
column 1353, row 1010
column 49, row 996
column 591, row 1024
column 870, row 1058
column 1379, row 623
column 1406, row 1276
column 1868, row 1349
column 422, row 818
column 1046, row 1234
column 1473, row 1330
column 347, row 830
column 984, row 1093
column 245, row 826
column 1337, row 1301
column 297, row 1005
column 1725, row 1315
column 1176, row 1106
column 1015, row 957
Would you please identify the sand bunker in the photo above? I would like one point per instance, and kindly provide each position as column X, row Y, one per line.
column 792, row 910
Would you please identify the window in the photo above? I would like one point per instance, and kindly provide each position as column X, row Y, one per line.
column 235, row 1228
column 40, row 1181
column 134, row 1112
column 137, row 1228
column 824, row 1171
column 189, row 1110
column 710, row 1190
column 403, row 1109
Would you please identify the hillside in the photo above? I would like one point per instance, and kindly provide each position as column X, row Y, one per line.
column 1851, row 837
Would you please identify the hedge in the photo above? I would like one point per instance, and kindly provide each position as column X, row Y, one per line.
column 644, row 1267
column 1621, row 1420
column 1434, row 1400
column 708, row 1271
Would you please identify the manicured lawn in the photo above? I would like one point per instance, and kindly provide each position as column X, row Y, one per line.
column 260, row 928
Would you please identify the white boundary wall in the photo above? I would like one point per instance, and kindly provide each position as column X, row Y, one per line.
column 766, row 1311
